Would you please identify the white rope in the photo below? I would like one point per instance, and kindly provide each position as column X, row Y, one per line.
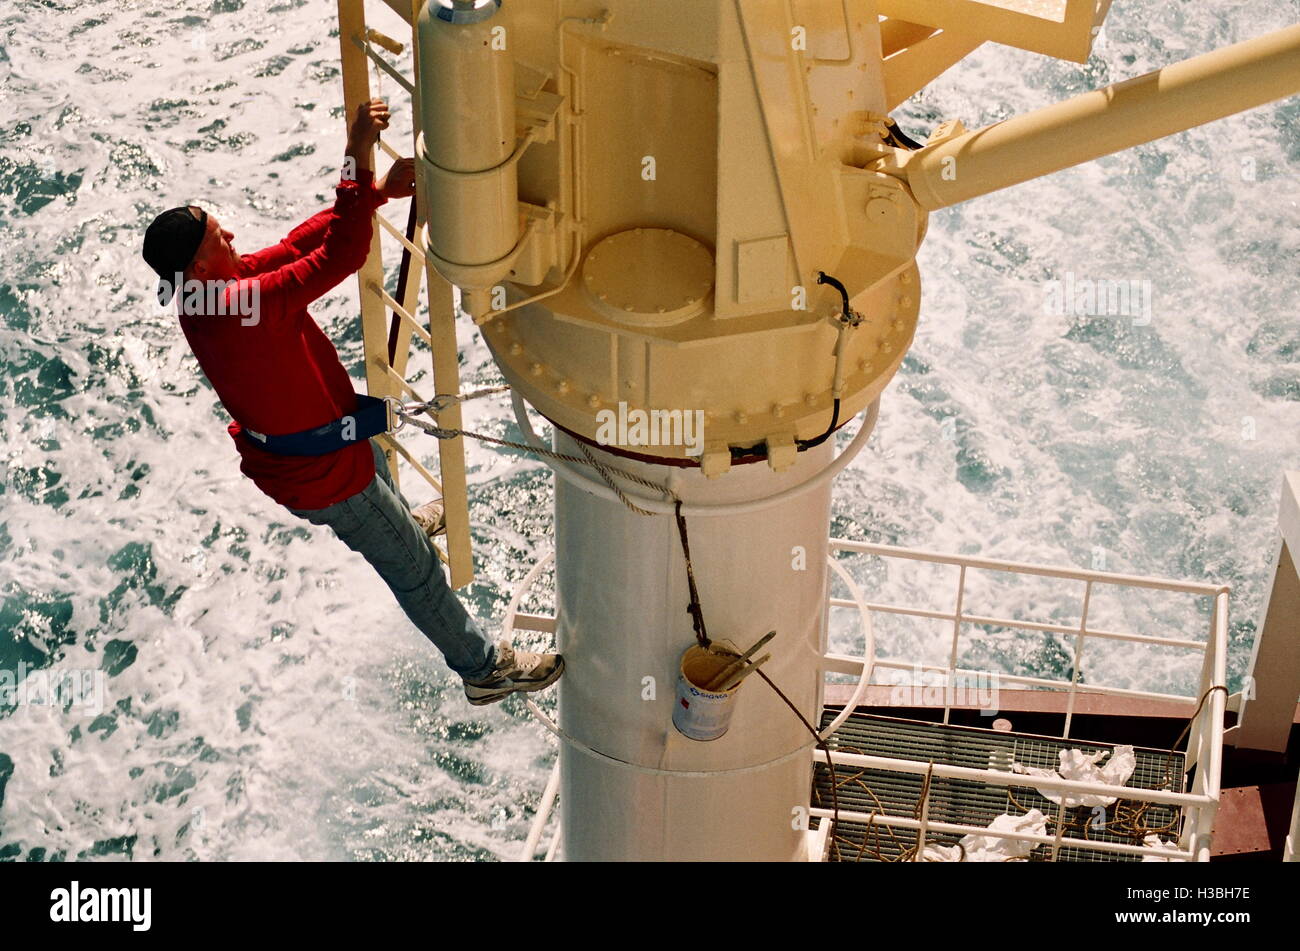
column 659, row 507
column 868, row 648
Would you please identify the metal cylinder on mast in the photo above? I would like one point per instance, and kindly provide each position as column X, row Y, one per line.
column 467, row 85
column 623, row 626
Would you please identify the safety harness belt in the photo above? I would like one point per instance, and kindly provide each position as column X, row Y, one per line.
column 370, row 419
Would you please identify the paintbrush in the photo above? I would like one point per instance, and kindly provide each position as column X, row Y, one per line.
column 725, row 674
column 737, row 678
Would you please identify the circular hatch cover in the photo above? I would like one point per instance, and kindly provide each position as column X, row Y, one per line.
column 649, row 277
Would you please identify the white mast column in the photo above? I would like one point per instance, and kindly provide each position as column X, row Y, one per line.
column 622, row 598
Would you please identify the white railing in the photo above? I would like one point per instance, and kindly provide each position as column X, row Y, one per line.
column 1204, row 746
column 1205, row 737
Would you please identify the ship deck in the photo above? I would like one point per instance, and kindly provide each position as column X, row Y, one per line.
column 887, row 792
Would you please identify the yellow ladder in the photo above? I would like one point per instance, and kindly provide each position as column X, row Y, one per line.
column 356, row 48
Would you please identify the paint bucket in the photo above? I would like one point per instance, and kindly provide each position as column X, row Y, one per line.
column 698, row 713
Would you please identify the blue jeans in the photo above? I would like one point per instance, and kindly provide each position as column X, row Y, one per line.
column 377, row 523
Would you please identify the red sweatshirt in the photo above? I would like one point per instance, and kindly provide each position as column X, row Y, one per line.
column 281, row 374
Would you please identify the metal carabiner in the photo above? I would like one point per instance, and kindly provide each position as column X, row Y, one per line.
column 395, row 418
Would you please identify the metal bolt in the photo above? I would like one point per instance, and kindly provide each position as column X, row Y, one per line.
column 516, row 348
column 535, row 369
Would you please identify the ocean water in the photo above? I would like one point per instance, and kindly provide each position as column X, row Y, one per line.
column 259, row 697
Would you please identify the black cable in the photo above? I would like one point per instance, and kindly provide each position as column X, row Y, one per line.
column 900, row 139
column 802, row 444
column 403, row 275
column 695, row 609
column 752, row 453
column 824, row 278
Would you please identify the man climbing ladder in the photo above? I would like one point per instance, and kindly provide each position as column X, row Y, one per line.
column 300, row 429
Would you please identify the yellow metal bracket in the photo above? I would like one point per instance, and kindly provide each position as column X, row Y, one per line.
column 1064, row 29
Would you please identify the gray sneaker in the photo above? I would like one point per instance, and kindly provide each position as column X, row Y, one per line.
column 432, row 517
column 516, row 671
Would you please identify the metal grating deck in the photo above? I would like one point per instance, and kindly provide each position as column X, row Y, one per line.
column 969, row 802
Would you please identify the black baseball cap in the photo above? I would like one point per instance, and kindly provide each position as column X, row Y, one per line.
column 170, row 243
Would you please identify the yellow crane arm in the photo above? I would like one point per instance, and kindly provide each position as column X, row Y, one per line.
column 1097, row 123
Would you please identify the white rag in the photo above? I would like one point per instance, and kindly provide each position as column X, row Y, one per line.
column 993, row 848
column 1082, row 767
column 1153, row 841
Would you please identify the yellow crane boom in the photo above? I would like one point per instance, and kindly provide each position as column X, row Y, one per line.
column 1097, row 123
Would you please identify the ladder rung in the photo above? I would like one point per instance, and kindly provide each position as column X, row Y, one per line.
column 384, row 65
column 387, row 42
column 396, row 233
column 415, row 463
column 400, row 381
column 535, row 622
column 402, row 312
column 388, row 150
